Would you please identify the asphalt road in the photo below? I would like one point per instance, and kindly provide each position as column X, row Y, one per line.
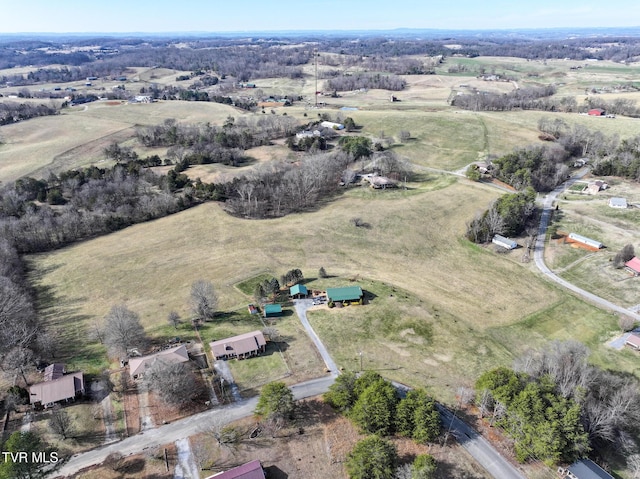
column 183, row 428
column 538, row 253
column 478, row 447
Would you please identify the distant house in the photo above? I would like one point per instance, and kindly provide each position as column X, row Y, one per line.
column 64, row 388
column 633, row 266
column 596, row 112
column 584, row 240
column 138, row 366
column 332, row 125
column 298, row 290
column 618, row 203
column 250, row 470
column 380, row 182
column 633, row 341
column 348, row 293
column 584, row 469
column 239, row 347
column 272, row 310
column 504, row 242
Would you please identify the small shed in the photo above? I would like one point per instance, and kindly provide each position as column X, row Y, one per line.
column 504, row 242
column 633, row 266
column 298, row 291
column 584, row 240
column 252, row 309
column 618, row 203
column 596, row 112
column 633, row 341
column 347, row 293
column 272, row 310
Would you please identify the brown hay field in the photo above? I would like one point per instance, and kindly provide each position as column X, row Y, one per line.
column 35, row 144
column 414, row 244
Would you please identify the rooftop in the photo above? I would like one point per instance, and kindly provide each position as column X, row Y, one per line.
column 347, row 293
column 177, row 354
column 250, row 470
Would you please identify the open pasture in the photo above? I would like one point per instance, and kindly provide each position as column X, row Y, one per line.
column 453, row 288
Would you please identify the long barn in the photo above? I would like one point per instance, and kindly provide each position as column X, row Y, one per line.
column 584, row 240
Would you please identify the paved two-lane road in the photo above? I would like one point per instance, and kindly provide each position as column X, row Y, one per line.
column 538, row 253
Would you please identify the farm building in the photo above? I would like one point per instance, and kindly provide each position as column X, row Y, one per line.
column 584, row 469
column 298, row 290
column 380, row 182
column 633, row 341
column 272, row 310
column 252, row 309
column 584, row 240
column 596, row 112
column 239, row 347
column 137, row 366
column 332, row 125
column 633, row 266
column 504, row 242
column 618, row 203
column 250, row 470
column 347, row 293
column 64, row 388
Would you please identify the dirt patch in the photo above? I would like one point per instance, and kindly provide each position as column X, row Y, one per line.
column 151, row 464
column 113, row 103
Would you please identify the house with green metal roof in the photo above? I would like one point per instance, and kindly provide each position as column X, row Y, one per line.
column 347, row 293
column 299, row 290
column 272, row 310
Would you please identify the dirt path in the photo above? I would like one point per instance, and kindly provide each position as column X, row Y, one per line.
column 107, row 417
column 186, row 468
column 146, row 421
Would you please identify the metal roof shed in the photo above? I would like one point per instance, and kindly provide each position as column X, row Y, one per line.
column 347, row 293
column 300, row 289
column 272, row 310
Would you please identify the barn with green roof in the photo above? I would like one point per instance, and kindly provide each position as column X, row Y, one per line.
column 298, row 290
column 347, row 293
column 272, row 310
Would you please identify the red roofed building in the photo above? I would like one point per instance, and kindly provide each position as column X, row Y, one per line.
column 633, row 341
column 250, row 470
column 633, row 265
column 596, row 112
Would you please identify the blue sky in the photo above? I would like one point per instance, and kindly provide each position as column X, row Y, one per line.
column 258, row 15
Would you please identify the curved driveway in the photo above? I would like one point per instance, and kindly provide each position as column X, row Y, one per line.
column 301, row 308
column 538, row 253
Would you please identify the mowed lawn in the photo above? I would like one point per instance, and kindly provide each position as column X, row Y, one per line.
column 414, row 243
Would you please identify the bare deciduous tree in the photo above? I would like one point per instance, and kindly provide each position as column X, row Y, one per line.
column 203, row 300
column 61, row 423
column 19, row 361
column 174, row 319
column 123, row 331
column 173, row 382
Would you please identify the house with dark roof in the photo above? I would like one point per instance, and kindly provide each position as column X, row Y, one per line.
column 239, row 347
column 138, row 366
column 250, row 470
column 65, row 388
column 584, row 469
column 347, row 293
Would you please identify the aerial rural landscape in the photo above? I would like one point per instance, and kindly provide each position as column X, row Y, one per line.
column 382, row 254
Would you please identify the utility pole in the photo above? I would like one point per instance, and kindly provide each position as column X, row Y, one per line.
column 315, row 58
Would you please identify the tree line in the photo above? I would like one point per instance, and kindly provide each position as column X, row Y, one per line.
column 557, row 407
column 356, row 81
column 529, row 98
column 12, row 112
column 509, row 215
column 90, row 202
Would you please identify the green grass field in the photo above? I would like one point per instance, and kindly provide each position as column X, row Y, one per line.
column 443, row 310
